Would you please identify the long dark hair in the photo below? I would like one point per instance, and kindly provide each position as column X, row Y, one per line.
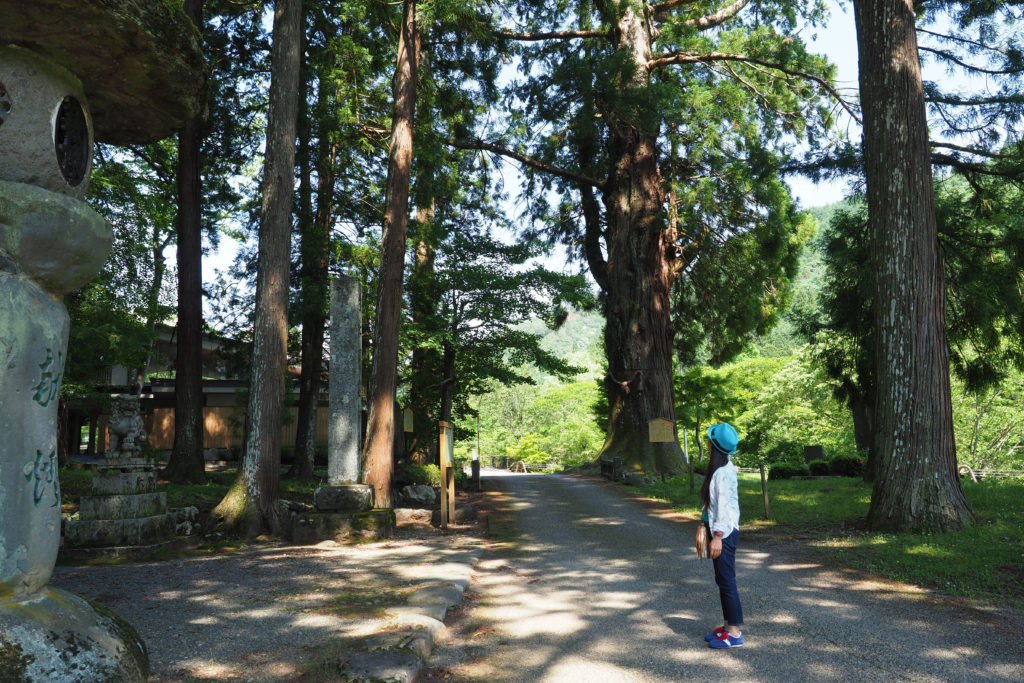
column 717, row 458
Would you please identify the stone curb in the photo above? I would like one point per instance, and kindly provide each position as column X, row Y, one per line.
column 400, row 655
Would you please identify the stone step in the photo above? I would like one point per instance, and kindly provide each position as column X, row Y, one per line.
column 107, row 532
column 312, row 527
column 122, row 506
column 112, row 481
column 126, row 464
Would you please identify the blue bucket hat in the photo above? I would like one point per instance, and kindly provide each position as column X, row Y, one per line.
column 724, row 437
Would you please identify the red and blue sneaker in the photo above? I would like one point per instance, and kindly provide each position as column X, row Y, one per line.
column 714, row 634
column 723, row 640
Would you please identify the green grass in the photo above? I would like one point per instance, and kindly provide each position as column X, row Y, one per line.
column 983, row 562
column 75, row 483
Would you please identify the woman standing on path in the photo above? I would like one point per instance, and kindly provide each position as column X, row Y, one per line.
column 722, row 510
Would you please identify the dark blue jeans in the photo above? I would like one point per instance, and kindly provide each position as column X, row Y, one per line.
column 725, row 577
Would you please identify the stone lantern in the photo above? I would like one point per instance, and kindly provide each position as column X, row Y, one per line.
column 139, row 64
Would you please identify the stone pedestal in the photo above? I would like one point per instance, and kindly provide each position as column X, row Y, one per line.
column 344, row 498
column 124, row 508
column 307, row 528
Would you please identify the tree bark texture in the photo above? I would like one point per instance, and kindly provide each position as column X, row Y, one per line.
column 916, row 483
column 313, row 274
column 638, row 331
column 378, row 464
column 261, row 464
column 302, row 459
column 425, row 358
column 187, row 464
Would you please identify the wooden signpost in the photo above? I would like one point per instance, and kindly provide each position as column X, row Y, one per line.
column 447, row 474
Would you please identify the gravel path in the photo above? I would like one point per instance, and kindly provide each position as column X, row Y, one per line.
column 265, row 614
column 595, row 588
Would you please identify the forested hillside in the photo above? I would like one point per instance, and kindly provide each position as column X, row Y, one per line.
column 777, row 392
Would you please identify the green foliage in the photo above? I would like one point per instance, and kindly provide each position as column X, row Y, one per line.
column 410, row 473
column 989, row 424
column 798, row 406
column 786, row 470
column 819, row 468
column 552, row 419
column 527, row 450
column 785, row 452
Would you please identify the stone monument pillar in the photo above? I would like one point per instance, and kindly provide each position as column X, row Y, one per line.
column 345, row 378
column 343, row 493
column 140, row 63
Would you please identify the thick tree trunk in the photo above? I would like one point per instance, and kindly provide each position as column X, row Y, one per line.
column 425, row 359
column 302, row 458
column 315, row 249
column 378, row 464
column 638, row 331
column 157, row 245
column 187, row 464
column 251, row 505
column 916, row 484
column 862, row 408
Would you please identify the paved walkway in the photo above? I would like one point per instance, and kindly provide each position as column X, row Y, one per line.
column 596, row 588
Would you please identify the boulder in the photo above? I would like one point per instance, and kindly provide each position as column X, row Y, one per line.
column 61, row 637
column 420, row 496
column 634, row 479
column 343, row 498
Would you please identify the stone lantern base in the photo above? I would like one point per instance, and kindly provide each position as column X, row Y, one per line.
column 124, row 509
column 59, row 637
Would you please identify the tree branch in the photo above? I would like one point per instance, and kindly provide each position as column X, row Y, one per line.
column 695, row 58
column 660, row 9
column 962, row 40
column 550, row 35
column 970, row 102
column 967, row 167
column 592, row 237
column 971, row 150
column 713, row 20
column 970, row 67
column 480, row 145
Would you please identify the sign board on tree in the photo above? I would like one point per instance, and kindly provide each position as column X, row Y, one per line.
column 661, row 430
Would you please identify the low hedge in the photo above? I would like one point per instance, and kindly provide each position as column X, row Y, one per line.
column 785, row 470
column 819, row 468
column 847, row 466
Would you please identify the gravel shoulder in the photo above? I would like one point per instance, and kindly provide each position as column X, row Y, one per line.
column 289, row 613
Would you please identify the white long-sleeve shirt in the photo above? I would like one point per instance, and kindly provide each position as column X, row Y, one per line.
column 724, row 503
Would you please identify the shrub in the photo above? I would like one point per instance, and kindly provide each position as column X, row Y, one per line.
column 410, row 473
column 818, row 468
column 429, row 475
column 847, row 466
column 784, row 452
column 785, row 470
column 700, row 466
